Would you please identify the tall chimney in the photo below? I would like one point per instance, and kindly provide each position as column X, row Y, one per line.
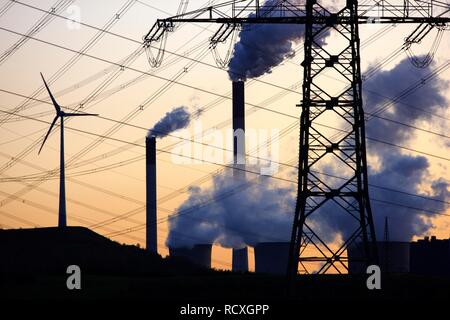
column 150, row 165
column 240, row 256
column 238, row 127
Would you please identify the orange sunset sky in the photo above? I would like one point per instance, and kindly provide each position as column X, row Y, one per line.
column 108, row 179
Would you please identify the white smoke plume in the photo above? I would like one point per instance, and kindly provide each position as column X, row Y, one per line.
column 176, row 119
column 262, row 47
column 234, row 212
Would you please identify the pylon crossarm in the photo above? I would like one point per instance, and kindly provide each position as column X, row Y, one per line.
column 246, row 12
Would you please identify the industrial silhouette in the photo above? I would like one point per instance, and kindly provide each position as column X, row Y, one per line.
column 151, row 195
column 37, row 252
column 315, row 195
column 240, row 255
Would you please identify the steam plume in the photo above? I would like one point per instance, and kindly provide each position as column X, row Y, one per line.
column 259, row 210
column 263, row 47
column 178, row 118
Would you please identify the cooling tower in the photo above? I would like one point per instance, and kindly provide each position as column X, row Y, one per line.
column 150, row 165
column 393, row 257
column 200, row 254
column 272, row 257
column 240, row 260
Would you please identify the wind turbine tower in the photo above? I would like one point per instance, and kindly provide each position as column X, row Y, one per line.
column 62, row 215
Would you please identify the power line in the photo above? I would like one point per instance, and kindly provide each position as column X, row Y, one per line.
column 5, row 8
column 77, row 56
column 192, row 140
column 30, row 189
column 330, row 127
column 18, row 219
column 79, row 182
column 87, row 148
column 184, row 57
column 410, row 207
column 140, row 127
column 201, row 62
column 139, row 42
column 99, row 88
column 203, row 160
column 105, row 30
column 141, row 157
column 409, row 126
column 168, row 51
column 116, row 233
column 40, row 24
column 268, row 110
column 295, row 167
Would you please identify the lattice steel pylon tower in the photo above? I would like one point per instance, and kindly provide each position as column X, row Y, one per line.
column 310, row 250
column 351, row 195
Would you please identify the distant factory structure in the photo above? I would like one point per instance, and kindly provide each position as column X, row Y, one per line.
column 199, row 254
column 240, row 260
column 271, row 257
column 393, row 257
column 430, row 256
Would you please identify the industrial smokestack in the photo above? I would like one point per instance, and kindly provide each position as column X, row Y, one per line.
column 240, row 256
column 177, row 118
column 271, row 257
column 238, row 125
column 150, row 164
column 199, row 254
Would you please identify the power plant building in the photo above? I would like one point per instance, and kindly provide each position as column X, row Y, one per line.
column 393, row 256
column 271, row 257
column 240, row 260
column 199, row 254
column 430, row 256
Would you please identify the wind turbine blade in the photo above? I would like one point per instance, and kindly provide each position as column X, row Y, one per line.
column 57, row 107
column 48, row 132
column 79, row 114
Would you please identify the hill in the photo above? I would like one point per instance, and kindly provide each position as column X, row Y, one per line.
column 50, row 251
column 33, row 266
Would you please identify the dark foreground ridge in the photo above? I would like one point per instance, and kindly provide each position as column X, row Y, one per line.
column 33, row 265
column 49, row 251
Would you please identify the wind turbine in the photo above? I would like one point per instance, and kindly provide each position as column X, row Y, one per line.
column 62, row 220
